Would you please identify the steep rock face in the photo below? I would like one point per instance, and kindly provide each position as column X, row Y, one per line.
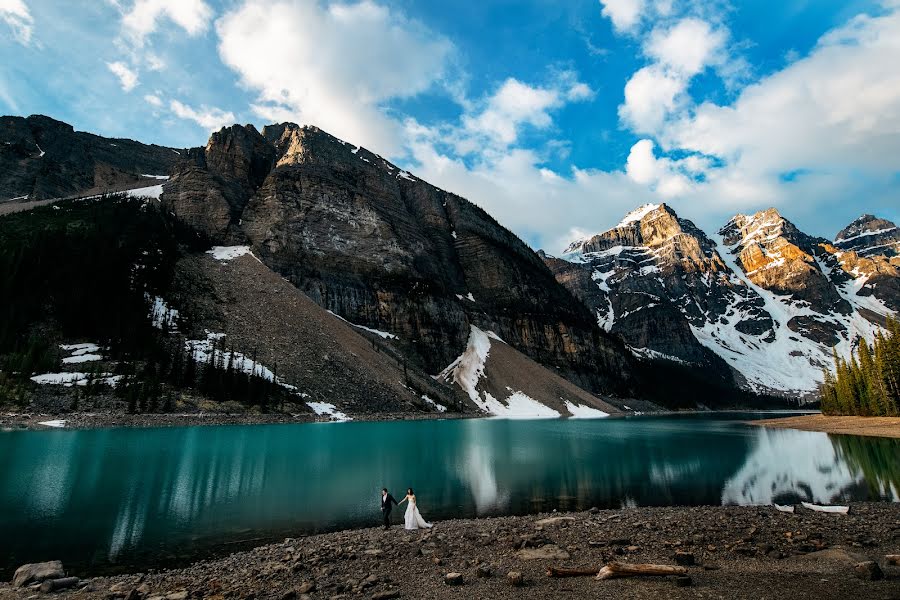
column 42, row 158
column 211, row 187
column 870, row 236
column 384, row 249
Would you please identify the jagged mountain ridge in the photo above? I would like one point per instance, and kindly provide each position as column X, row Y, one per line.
column 42, row 158
column 382, row 248
column 870, row 236
column 761, row 295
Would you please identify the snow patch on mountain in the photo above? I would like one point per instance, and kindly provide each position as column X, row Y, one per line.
column 469, row 368
column 226, row 253
column 153, row 191
column 328, row 410
column 580, row 411
column 637, row 214
column 382, row 334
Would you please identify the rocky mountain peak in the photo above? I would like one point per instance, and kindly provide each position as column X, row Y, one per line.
column 870, row 236
column 777, row 256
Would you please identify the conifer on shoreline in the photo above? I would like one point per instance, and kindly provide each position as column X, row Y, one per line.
column 868, row 383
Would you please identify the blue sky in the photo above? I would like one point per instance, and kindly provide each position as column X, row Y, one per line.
column 557, row 117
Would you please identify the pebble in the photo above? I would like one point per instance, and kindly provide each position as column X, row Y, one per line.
column 515, row 578
column 453, row 579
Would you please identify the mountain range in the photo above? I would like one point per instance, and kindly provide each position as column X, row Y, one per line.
column 375, row 292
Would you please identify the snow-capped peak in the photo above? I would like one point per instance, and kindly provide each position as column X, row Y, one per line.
column 637, row 214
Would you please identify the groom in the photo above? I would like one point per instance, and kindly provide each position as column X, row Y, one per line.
column 386, row 500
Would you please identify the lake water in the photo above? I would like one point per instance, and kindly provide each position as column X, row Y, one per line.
column 112, row 499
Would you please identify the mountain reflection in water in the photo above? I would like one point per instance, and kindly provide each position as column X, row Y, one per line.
column 111, row 498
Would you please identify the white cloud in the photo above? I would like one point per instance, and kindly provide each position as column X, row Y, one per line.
column 835, row 111
column 193, row 16
column 651, row 95
column 153, row 100
column 687, row 47
column 679, row 52
column 522, row 194
column 516, row 104
column 660, row 174
column 128, row 79
column 16, row 15
column 207, row 117
column 333, row 65
column 624, row 14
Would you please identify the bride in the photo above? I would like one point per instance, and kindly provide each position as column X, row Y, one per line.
column 412, row 518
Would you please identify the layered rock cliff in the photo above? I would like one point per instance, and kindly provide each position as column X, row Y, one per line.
column 382, row 248
column 42, row 158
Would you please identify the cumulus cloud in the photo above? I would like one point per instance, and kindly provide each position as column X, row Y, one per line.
column 624, row 14
column 679, row 52
column 207, row 117
column 833, row 113
column 139, row 21
column 128, row 79
column 333, row 65
column 516, row 104
column 687, row 47
column 16, row 15
column 660, row 174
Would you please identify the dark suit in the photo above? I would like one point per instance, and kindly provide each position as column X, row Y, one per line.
column 386, row 506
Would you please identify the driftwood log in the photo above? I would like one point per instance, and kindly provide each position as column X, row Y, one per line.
column 567, row 572
column 619, row 569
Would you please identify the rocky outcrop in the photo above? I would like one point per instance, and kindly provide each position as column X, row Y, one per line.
column 778, row 257
column 42, row 158
column 211, row 187
column 870, row 236
column 384, row 249
column 650, row 278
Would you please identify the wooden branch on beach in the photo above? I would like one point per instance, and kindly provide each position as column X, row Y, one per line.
column 619, row 569
column 568, row 572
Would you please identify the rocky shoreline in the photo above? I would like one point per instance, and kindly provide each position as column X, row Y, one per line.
column 37, row 421
column 727, row 552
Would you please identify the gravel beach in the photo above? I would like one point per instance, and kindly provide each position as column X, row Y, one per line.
column 728, row 552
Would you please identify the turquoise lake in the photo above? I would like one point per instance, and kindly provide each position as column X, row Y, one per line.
column 109, row 499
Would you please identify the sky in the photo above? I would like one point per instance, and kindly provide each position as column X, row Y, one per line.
column 556, row 117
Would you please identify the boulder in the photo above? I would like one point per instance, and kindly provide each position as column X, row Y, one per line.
column 38, row 572
column 868, row 570
column 453, row 579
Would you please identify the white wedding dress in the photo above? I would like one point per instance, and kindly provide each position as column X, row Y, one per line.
column 412, row 518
